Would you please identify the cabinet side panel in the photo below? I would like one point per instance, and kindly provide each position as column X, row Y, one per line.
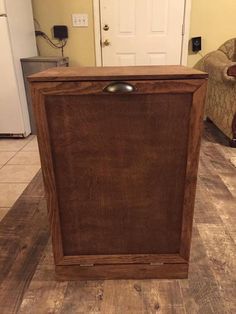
column 38, row 101
column 195, row 131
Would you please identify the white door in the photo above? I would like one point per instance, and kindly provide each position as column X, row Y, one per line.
column 141, row 32
column 2, row 7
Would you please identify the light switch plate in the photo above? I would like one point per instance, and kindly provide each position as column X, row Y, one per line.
column 80, row 20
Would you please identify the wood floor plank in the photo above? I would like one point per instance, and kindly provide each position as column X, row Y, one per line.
column 171, row 310
column 222, row 167
column 44, row 294
column 206, row 210
column 140, row 296
column 201, row 292
column 221, row 185
column 23, row 236
column 129, row 302
column 83, row 297
column 35, row 188
column 221, row 252
column 223, row 201
column 44, row 297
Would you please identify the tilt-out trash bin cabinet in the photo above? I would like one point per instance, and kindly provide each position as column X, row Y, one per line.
column 119, row 149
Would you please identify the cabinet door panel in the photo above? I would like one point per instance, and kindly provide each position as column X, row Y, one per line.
column 119, row 165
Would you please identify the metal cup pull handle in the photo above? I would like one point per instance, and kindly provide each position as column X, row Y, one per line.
column 119, row 87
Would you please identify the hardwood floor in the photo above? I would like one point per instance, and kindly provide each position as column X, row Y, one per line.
column 27, row 271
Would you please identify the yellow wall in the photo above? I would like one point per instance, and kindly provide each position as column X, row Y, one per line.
column 80, row 46
column 211, row 19
column 214, row 20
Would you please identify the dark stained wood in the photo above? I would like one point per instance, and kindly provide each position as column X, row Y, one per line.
column 120, row 169
column 117, row 73
column 209, row 289
column 97, row 87
column 194, row 136
column 123, row 259
column 49, row 180
column 122, row 271
column 111, row 179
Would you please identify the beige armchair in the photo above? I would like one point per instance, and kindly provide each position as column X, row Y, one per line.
column 221, row 96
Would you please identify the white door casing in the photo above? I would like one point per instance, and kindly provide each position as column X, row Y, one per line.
column 141, row 32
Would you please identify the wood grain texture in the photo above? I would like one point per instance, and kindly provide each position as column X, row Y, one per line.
column 122, row 259
column 210, row 288
column 120, row 176
column 49, row 180
column 116, row 73
column 23, row 235
column 97, row 88
column 122, row 271
column 195, row 131
column 111, row 178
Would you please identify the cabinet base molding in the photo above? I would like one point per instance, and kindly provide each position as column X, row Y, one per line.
column 124, row 271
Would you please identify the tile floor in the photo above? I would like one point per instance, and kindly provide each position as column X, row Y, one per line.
column 19, row 163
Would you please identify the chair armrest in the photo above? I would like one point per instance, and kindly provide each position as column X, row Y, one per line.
column 218, row 66
column 232, row 70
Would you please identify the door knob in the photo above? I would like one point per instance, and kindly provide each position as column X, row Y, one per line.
column 106, row 43
column 106, row 27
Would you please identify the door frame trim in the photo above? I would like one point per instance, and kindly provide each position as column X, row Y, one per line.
column 186, row 32
column 97, row 32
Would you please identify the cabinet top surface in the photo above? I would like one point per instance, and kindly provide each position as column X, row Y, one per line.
column 116, row 73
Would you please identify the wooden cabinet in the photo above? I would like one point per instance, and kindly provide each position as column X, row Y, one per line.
column 119, row 150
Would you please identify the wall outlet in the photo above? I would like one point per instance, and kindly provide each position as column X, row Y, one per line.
column 80, row 20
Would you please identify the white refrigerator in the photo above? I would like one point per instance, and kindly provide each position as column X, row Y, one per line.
column 17, row 40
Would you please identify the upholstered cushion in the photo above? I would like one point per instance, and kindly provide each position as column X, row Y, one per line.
column 221, row 95
column 229, row 49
